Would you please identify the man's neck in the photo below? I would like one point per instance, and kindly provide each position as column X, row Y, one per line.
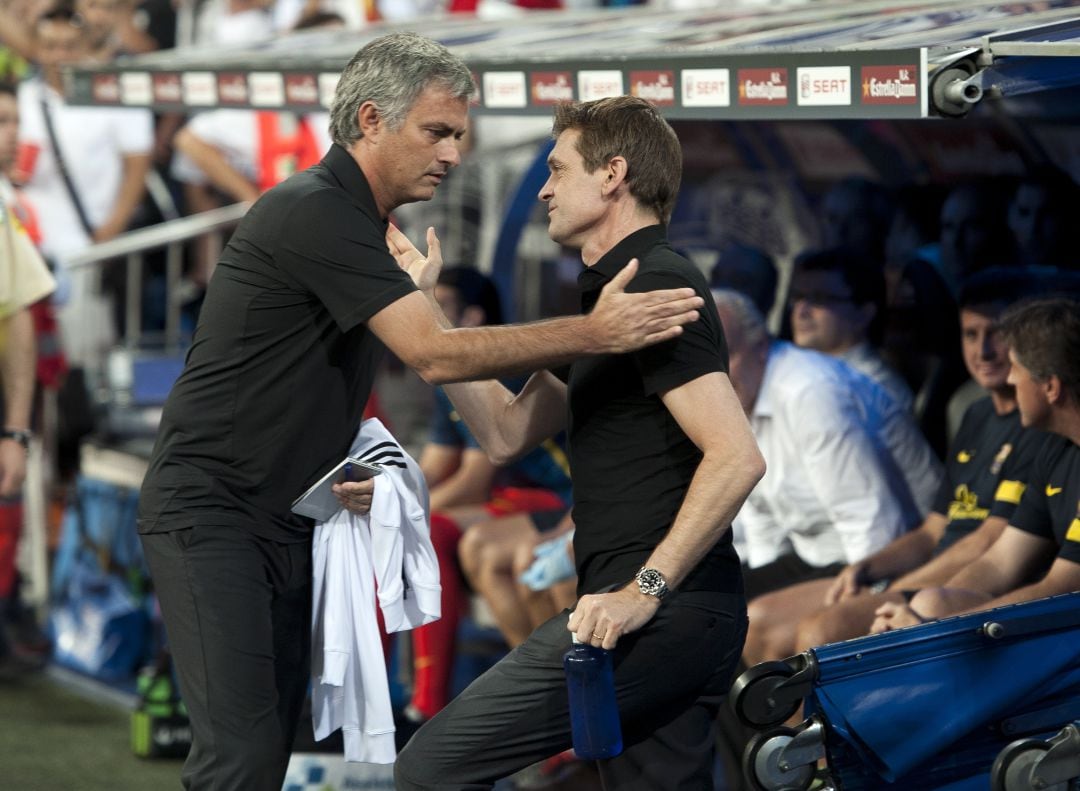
column 622, row 222
column 1067, row 423
column 1003, row 400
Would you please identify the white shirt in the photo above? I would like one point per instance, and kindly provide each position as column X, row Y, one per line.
column 863, row 358
column 391, row 546
column 94, row 141
column 235, row 133
column 847, row 469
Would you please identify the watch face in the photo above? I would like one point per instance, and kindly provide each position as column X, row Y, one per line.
column 650, row 581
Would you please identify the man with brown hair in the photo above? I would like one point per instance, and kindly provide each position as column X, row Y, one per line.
column 661, row 458
column 297, row 314
column 1038, row 554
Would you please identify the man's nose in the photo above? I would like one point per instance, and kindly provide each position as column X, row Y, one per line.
column 449, row 153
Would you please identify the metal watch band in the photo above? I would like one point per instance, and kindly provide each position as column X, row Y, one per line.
column 22, row 437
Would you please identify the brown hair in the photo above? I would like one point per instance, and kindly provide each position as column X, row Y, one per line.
column 633, row 129
column 1044, row 335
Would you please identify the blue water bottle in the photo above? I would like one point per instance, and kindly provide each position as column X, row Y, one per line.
column 594, row 714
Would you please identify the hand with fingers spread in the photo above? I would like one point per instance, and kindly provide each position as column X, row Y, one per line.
column 424, row 270
column 354, row 496
column 600, row 619
column 622, row 321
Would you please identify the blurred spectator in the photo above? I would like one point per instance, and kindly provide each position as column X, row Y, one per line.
column 986, row 473
column 847, row 470
column 1040, row 218
column 234, row 22
column 921, row 342
column 467, row 490
column 837, row 304
column 974, row 233
column 494, row 556
column 914, row 230
column 856, row 214
column 112, row 29
column 84, row 171
column 24, row 281
column 749, row 271
column 245, row 152
column 1038, row 554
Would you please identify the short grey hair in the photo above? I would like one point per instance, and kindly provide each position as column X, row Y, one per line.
column 750, row 324
column 392, row 71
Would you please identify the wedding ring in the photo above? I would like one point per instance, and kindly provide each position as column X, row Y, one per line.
column 597, row 636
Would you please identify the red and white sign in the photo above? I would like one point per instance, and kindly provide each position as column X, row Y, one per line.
column 890, row 85
column 328, row 81
column 301, row 90
column 105, row 88
column 551, row 87
column 505, row 89
column 167, row 89
column 594, row 85
column 823, row 86
column 136, row 88
column 657, row 87
column 267, row 89
column 763, row 86
column 706, row 88
column 232, row 89
column 200, row 88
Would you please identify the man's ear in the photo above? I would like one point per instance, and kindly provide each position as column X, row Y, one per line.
column 368, row 119
column 1053, row 390
column 472, row 316
column 615, row 174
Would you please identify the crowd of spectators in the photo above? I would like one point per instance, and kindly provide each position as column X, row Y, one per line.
column 871, row 366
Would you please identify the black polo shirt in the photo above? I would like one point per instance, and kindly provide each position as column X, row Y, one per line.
column 282, row 363
column 1050, row 508
column 987, row 470
column 631, row 463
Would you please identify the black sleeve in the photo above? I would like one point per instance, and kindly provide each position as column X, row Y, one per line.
column 1033, row 514
column 338, row 252
column 699, row 350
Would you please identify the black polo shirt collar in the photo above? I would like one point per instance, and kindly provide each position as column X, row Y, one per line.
column 595, row 277
column 344, row 168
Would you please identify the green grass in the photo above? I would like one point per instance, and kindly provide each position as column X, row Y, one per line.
column 52, row 739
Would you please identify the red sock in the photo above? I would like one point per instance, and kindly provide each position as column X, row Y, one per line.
column 433, row 644
column 11, row 516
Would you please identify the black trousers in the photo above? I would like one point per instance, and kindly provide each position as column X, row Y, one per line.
column 237, row 612
column 670, row 678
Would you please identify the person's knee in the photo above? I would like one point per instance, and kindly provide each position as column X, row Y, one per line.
column 523, row 557
column 811, row 630
column 469, row 551
column 931, row 603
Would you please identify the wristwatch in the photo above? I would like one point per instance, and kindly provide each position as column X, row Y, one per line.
column 20, row 436
column 652, row 583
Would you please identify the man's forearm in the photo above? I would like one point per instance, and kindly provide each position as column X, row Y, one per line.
column 18, row 369
column 216, row 167
column 717, row 491
column 956, row 558
column 475, row 353
column 901, row 556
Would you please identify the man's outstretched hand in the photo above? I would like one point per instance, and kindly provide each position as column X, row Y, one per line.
column 424, row 270
column 622, row 322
